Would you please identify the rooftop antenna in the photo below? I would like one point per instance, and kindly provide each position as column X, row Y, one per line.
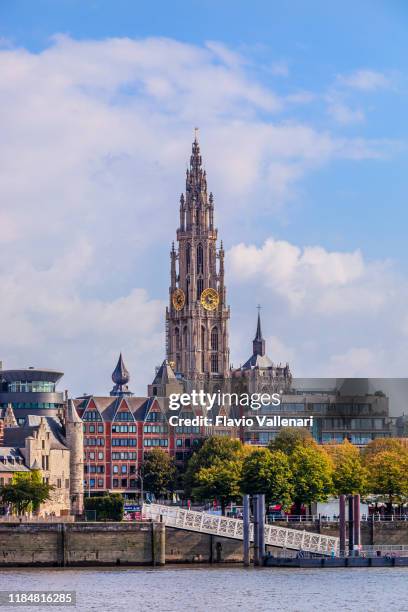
column 196, row 130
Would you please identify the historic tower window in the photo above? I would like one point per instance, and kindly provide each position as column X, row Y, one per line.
column 200, row 259
column 200, row 287
column 188, row 257
column 177, row 339
column 214, row 362
column 202, row 349
column 214, row 339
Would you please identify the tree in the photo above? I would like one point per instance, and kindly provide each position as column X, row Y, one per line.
column 214, row 471
column 107, row 507
column 380, row 445
column 388, row 476
column 220, row 481
column 289, row 437
column 158, row 471
column 26, row 492
column 268, row 472
column 311, row 475
column 349, row 475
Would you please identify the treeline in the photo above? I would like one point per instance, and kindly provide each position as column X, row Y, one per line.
column 293, row 471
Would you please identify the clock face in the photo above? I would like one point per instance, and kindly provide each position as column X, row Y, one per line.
column 210, row 299
column 178, row 299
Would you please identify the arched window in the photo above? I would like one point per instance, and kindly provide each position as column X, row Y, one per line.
column 202, row 349
column 177, row 339
column 200, row 259
column 200, row 287
column 187, row 290
column 214, row 363
column 188, row 257
column 214, row 339
column 185, row 337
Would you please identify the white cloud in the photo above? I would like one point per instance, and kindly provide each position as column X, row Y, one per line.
column 344, row 114
column 345, row 315
column 365, row 80
column 94, row 142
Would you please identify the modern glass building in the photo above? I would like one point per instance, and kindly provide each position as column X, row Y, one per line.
column 31, row 391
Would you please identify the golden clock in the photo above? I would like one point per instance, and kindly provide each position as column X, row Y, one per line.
column 210, row 299
column 178, row 299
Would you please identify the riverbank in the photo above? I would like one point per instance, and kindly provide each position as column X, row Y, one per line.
column 201, row 587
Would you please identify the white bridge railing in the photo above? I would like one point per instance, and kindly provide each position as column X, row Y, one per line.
column 226, row 527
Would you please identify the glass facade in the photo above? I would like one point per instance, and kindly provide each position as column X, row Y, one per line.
column 39, row 386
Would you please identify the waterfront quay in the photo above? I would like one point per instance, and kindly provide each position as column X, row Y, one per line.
column 151, row 543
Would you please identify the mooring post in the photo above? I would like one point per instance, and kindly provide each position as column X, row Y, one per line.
column 356, row 523
column 350, row 525
column 342, row 524
column 255, row 503
column 246, row 530
column 261, row 527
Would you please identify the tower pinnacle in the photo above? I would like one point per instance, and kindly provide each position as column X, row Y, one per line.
column 258, row 342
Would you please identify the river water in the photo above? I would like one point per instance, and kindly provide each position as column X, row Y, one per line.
column 222, row 588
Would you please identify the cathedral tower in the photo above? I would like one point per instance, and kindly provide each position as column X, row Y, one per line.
column 197, row 316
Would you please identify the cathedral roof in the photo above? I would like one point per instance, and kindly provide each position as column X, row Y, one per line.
column 164, row 374
column 257, row 361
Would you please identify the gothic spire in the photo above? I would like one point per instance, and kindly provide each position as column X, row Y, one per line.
column 258, row 342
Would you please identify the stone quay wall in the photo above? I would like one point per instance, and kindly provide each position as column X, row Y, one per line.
column 145, row 543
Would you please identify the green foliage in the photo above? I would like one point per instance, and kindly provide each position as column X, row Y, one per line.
column 289, row 437
column 26, row 492
column 214, row 471
column 220, row 481
column 107, row 507
column 349, row 476
column 159, row 472
column 268, row 472
column 311, row 475
column 388, row 475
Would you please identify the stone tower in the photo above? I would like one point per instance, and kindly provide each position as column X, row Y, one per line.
column 75, row 442
column 197, row 315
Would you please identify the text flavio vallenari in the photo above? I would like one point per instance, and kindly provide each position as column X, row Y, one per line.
column 251, row 401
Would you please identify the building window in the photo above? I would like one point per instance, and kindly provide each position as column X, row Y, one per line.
column 200, row 260
column 91, row 428
column 115, row 469
column 100, row 428
column 177, row 339
column 188, row 257
column 124, row 469
column 179, row 442
column 200, row 287
column 115, row 482
column 100, row 482
column 59, row 483
column 100, row 455
column 214, row 363
column 214, row 339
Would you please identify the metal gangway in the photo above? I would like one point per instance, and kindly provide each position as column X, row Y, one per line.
column 226, row 527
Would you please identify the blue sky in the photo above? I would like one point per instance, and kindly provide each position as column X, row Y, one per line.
column 302, row 115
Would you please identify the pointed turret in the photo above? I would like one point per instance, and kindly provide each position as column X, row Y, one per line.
column 120, row 377
column 165, row 381
column 9, row 417
column 258, row 343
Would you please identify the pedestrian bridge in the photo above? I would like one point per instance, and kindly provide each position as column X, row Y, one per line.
column 226, row 527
